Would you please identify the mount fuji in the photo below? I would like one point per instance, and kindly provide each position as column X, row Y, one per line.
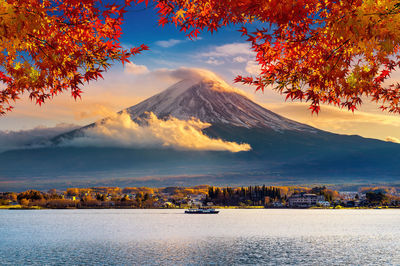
column 214, row 102
column 283, row 151
column 211, row 101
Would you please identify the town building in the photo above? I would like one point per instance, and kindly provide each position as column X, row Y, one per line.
column 324, row 203
column 304, row 200
column 277, row 204
column 348, row 195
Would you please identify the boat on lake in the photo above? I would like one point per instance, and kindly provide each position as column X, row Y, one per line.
column 201, row 211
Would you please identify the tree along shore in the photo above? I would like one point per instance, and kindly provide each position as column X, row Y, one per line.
column 201, row 196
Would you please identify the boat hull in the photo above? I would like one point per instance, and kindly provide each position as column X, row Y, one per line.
column 201, row 211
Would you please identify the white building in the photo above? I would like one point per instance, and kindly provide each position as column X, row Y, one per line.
column 348, row 195
column 324, row 203
column 304, row 200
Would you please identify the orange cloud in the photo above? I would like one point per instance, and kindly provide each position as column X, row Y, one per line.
column 134, row 69
column 333, row 119
column 392, row 139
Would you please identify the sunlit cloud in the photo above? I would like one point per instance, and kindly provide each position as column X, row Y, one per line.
column 333, row 119
column 196, row 75
column 392, row 139
column 134, row 69
column 253, row 67
column 182, row 73
column 229, row 50
column 96, row 110
column 121, row 131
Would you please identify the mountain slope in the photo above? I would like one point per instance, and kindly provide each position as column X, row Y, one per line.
column 214, row 102
column 209, row 100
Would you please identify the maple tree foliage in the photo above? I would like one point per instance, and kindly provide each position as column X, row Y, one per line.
column 321, row 51
column 50, row 46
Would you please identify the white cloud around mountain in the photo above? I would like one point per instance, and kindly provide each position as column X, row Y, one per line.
column 120, row 130
column 175, row 75
column 38, row 135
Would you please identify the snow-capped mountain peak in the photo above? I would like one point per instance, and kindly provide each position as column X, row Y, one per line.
column 215, row 102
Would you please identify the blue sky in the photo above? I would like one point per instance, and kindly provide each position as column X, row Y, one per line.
column 142, row 27
column 170, row 47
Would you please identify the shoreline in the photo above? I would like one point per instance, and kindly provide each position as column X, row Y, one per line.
column 19, row 207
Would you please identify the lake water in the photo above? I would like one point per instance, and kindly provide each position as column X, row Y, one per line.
column 169, row 237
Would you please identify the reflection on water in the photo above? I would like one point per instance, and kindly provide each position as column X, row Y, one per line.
column 170, row 237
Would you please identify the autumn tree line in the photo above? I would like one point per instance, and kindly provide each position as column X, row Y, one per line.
column 250, row 196
column 263, row 195
column 182, row 197
column 105, row 197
